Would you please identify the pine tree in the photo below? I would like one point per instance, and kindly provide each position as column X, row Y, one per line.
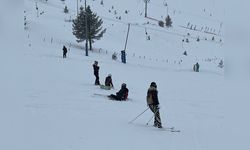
column 94, row 26
column 79, row 29
column 168, row 21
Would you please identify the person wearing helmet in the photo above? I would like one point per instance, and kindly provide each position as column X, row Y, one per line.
column 108, row 81
column 122, row 95
column 153, row 103
column 96, row 72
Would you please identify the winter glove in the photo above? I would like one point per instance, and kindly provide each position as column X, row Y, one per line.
column 158, row 106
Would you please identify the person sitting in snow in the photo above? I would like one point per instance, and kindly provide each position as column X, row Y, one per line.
column 108, row 81
column 122, row 95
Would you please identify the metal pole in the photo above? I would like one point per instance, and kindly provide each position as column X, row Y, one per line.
column 86, row 28
column 138, row 115
column 146, row 7
column 166, row 4
column 77, row 10
column 37, row 12
column 150, row 119
column 167, row 10
column 127, row 37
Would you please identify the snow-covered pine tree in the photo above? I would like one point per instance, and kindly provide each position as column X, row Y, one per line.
column 79, row 29
column 94, row 26
column 168, row 21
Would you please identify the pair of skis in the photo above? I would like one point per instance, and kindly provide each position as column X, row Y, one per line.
column 102, row 95
column 107, row 96
column 171, row 129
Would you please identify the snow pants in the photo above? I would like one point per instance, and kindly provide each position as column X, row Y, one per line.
column 64, row 54
column 97, row 82
column 114, row 97
column 157, row 118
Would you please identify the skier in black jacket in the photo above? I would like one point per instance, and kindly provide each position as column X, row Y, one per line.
column 196, row 67
column 96, row 72
column 64, row 52
column 153, row 103
column 122, row 95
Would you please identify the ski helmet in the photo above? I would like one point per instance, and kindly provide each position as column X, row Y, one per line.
column 153, row 84
column 109, row 75
column 124, row 85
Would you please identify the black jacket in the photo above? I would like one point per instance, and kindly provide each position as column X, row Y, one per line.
column 108, row 81
column 152, row 96
column 64, row 49
column 96, row 69
column 122, row 94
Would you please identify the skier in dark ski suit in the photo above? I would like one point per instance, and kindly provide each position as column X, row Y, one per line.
column 64, row 52
column 196, row 67
column 153, row 103
column 122, row 95
column 96, row 72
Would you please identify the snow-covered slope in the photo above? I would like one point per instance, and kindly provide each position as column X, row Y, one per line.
column 56, row 98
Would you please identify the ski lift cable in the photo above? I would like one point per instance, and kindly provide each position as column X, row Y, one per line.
column 149, row 28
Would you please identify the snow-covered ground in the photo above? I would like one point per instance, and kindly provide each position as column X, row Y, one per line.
column 48, row 103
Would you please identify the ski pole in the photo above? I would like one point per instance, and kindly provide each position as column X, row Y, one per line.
column 138, row 115
column 150, row 119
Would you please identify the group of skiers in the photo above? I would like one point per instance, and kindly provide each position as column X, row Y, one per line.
column 122, row 94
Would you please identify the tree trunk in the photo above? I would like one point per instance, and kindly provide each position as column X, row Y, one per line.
column 90, row 44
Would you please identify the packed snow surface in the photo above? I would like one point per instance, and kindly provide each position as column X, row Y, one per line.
column 49, row 103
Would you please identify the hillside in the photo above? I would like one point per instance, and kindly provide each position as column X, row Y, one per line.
column 56, row 97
